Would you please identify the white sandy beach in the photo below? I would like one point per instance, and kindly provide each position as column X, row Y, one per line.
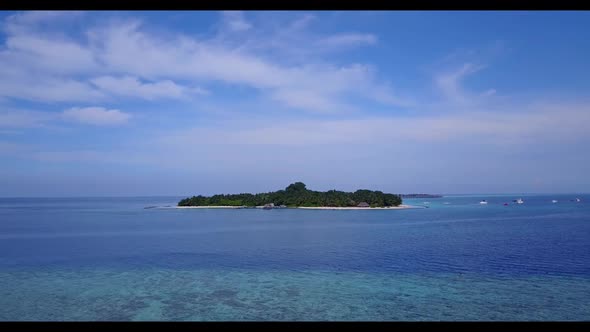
column 210, row 207
column 359, row 208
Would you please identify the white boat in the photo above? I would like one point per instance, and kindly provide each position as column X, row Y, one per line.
column 483, row 202
column 577, row 199
column 554, row 201
column 519, row 201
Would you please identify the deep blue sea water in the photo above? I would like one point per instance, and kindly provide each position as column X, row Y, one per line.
column 111, row 259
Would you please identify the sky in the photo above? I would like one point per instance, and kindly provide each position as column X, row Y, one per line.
column 110, row 103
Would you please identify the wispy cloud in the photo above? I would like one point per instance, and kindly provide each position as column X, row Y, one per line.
column 235, row 21
column 48, row 54
column 47, row 89
column 35, row 19
column 450, row 83
column 349, row 39
column 98, row 116
column 127, row 48
column 124, row 60
column 453, row 72
column 133, row 87
column 302, row 22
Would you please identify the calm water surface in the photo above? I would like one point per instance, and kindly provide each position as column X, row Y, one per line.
column 111, row 259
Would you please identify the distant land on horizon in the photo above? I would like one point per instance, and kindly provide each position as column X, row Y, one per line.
column 420, row 196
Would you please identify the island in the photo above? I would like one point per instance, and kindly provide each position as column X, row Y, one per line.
column 296, row 195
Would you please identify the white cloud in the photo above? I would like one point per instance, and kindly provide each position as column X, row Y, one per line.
column 39, row 67
column 133, row 87
column 350, row 39
column 450, row 82
column 292, row 40
column 124, row 48
column 489, row 92
column 302, row 22
column 98, row 116
column 124, row 60
column 30, row 20
column 47, row 89
column 48, row 54
column 235, row 21
column 40, row 48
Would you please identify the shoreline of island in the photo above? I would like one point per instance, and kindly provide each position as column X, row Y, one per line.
column 212, row 207
column 400, row 207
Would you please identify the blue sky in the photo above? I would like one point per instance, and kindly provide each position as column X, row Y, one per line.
column 182, row 103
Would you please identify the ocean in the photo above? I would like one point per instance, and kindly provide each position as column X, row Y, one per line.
column 110, row 259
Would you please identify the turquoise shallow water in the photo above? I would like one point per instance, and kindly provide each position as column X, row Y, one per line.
column 204, row 295
column 111, row 259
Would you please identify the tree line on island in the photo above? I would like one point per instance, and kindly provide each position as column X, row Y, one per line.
column 297, row 195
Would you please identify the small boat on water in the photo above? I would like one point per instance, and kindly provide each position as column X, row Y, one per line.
column 554, row 201
column 505, row 204
column 519, row 201
column 483, row 202
column 577, row 200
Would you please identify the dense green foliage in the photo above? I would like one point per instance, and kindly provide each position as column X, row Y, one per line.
column 297, row 195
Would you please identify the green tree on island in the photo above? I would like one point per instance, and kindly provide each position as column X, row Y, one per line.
column 297, row 195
